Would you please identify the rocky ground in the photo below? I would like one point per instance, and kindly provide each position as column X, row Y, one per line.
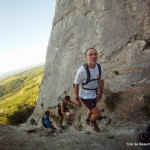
column 119, row 137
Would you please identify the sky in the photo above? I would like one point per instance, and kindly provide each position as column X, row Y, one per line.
column 25, row 27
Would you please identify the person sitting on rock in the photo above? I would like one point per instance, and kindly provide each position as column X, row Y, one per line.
column 46, row 121
column 64, row 111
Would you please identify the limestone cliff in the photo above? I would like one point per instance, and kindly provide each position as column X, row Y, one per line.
column 119, row 31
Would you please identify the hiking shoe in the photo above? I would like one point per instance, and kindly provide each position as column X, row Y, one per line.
column 62, row 127
column 69, row 123
column 95, row 126
column 87, row 121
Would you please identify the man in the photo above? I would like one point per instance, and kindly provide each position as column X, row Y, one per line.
column 90, row 91
column 63, row 110
column 46, row 121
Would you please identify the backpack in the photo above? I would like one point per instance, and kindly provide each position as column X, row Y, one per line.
column 89, row 76
column 60, row 100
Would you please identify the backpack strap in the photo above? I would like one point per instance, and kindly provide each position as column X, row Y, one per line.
column 88, row 74
column 96, row 89
column 99, row 69
column 60, row 100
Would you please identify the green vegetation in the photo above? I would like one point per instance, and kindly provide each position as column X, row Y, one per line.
column 146, row 108
column 21, row 114
column 111, row 99
column 18, row 96
column 10, row 86
column 33, row 122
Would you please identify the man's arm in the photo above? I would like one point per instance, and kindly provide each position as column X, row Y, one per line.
column 76, row 92
column 101, row 89
column 73, row 102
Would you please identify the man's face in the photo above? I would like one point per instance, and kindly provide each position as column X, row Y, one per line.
column 67, row 101
column 48, row 115
column 91, row 56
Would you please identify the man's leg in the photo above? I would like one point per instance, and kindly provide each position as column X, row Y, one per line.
column 95, row 114
column 61, row 119
column 89, row 114
column 69, row 117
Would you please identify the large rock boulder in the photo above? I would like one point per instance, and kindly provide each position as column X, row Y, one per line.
column 118, row 30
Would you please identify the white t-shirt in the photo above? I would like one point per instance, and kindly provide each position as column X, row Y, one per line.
column 81, row 77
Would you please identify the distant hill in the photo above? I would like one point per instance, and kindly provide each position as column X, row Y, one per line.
column 21, row 88
column 10, row 73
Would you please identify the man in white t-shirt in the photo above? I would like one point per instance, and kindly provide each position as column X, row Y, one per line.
column 89, row 90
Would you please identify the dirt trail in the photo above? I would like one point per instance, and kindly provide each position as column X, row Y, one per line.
column 109, row 138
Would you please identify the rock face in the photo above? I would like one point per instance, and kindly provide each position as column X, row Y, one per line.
column 118, row 30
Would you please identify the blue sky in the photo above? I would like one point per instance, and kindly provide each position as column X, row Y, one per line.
column 25, row 27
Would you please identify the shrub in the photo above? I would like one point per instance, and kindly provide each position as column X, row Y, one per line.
column 146, row 108
column 42, row 104
column 33, row 122
column 65, row 92
column 110, row 99
column 147, row 99
column 3, row 119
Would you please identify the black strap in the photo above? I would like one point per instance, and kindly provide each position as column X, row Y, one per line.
column 89, row 75
column 99, row 69
column 89, row 89
column 92, row 89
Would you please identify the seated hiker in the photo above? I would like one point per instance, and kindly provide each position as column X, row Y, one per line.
column 64, row 111
column 145, row 136
column 46, row 121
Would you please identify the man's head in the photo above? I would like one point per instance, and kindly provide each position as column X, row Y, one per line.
column 91, row 56
column 47, row 113
column 67, row 98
